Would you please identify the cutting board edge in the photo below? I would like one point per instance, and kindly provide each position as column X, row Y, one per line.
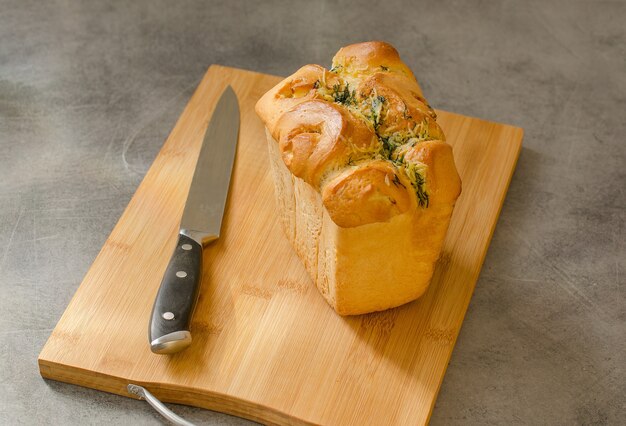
column 168, row 392
column 175, row 394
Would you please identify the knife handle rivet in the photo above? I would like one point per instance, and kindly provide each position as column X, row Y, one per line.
column 168, row 316
column 181, row 274
column 186, row 247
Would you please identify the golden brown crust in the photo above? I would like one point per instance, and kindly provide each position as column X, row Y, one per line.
column 292, row 91
column 316, row 137
column 370, row 57
column 374, row 191
column 444, row 183
column 405, row 108
column 362, row 135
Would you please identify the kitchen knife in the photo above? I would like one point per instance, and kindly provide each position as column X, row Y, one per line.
column 200, row 225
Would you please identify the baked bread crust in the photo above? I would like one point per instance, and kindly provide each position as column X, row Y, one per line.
column 365, row 182
column 362, row 135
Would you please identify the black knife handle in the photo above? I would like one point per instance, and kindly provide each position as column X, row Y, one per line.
column 174, row 304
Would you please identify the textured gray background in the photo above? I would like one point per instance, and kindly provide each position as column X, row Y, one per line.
column 89, row 91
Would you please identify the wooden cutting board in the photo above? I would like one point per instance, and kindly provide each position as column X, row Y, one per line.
column 266, row 345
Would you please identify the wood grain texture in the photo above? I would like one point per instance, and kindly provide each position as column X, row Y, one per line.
column 266, row 345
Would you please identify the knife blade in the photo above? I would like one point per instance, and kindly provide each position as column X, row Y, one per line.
column 200, row 225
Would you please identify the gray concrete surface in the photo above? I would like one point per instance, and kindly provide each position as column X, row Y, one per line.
column 90, row 90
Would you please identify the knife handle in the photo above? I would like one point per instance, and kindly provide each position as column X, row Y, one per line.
column 174, row 304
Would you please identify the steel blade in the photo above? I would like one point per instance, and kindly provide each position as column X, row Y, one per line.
column 204, row 209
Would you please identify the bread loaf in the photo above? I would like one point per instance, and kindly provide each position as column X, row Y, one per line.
column 365, row 182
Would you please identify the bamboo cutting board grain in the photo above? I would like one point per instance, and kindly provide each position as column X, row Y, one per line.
column 266, row 345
